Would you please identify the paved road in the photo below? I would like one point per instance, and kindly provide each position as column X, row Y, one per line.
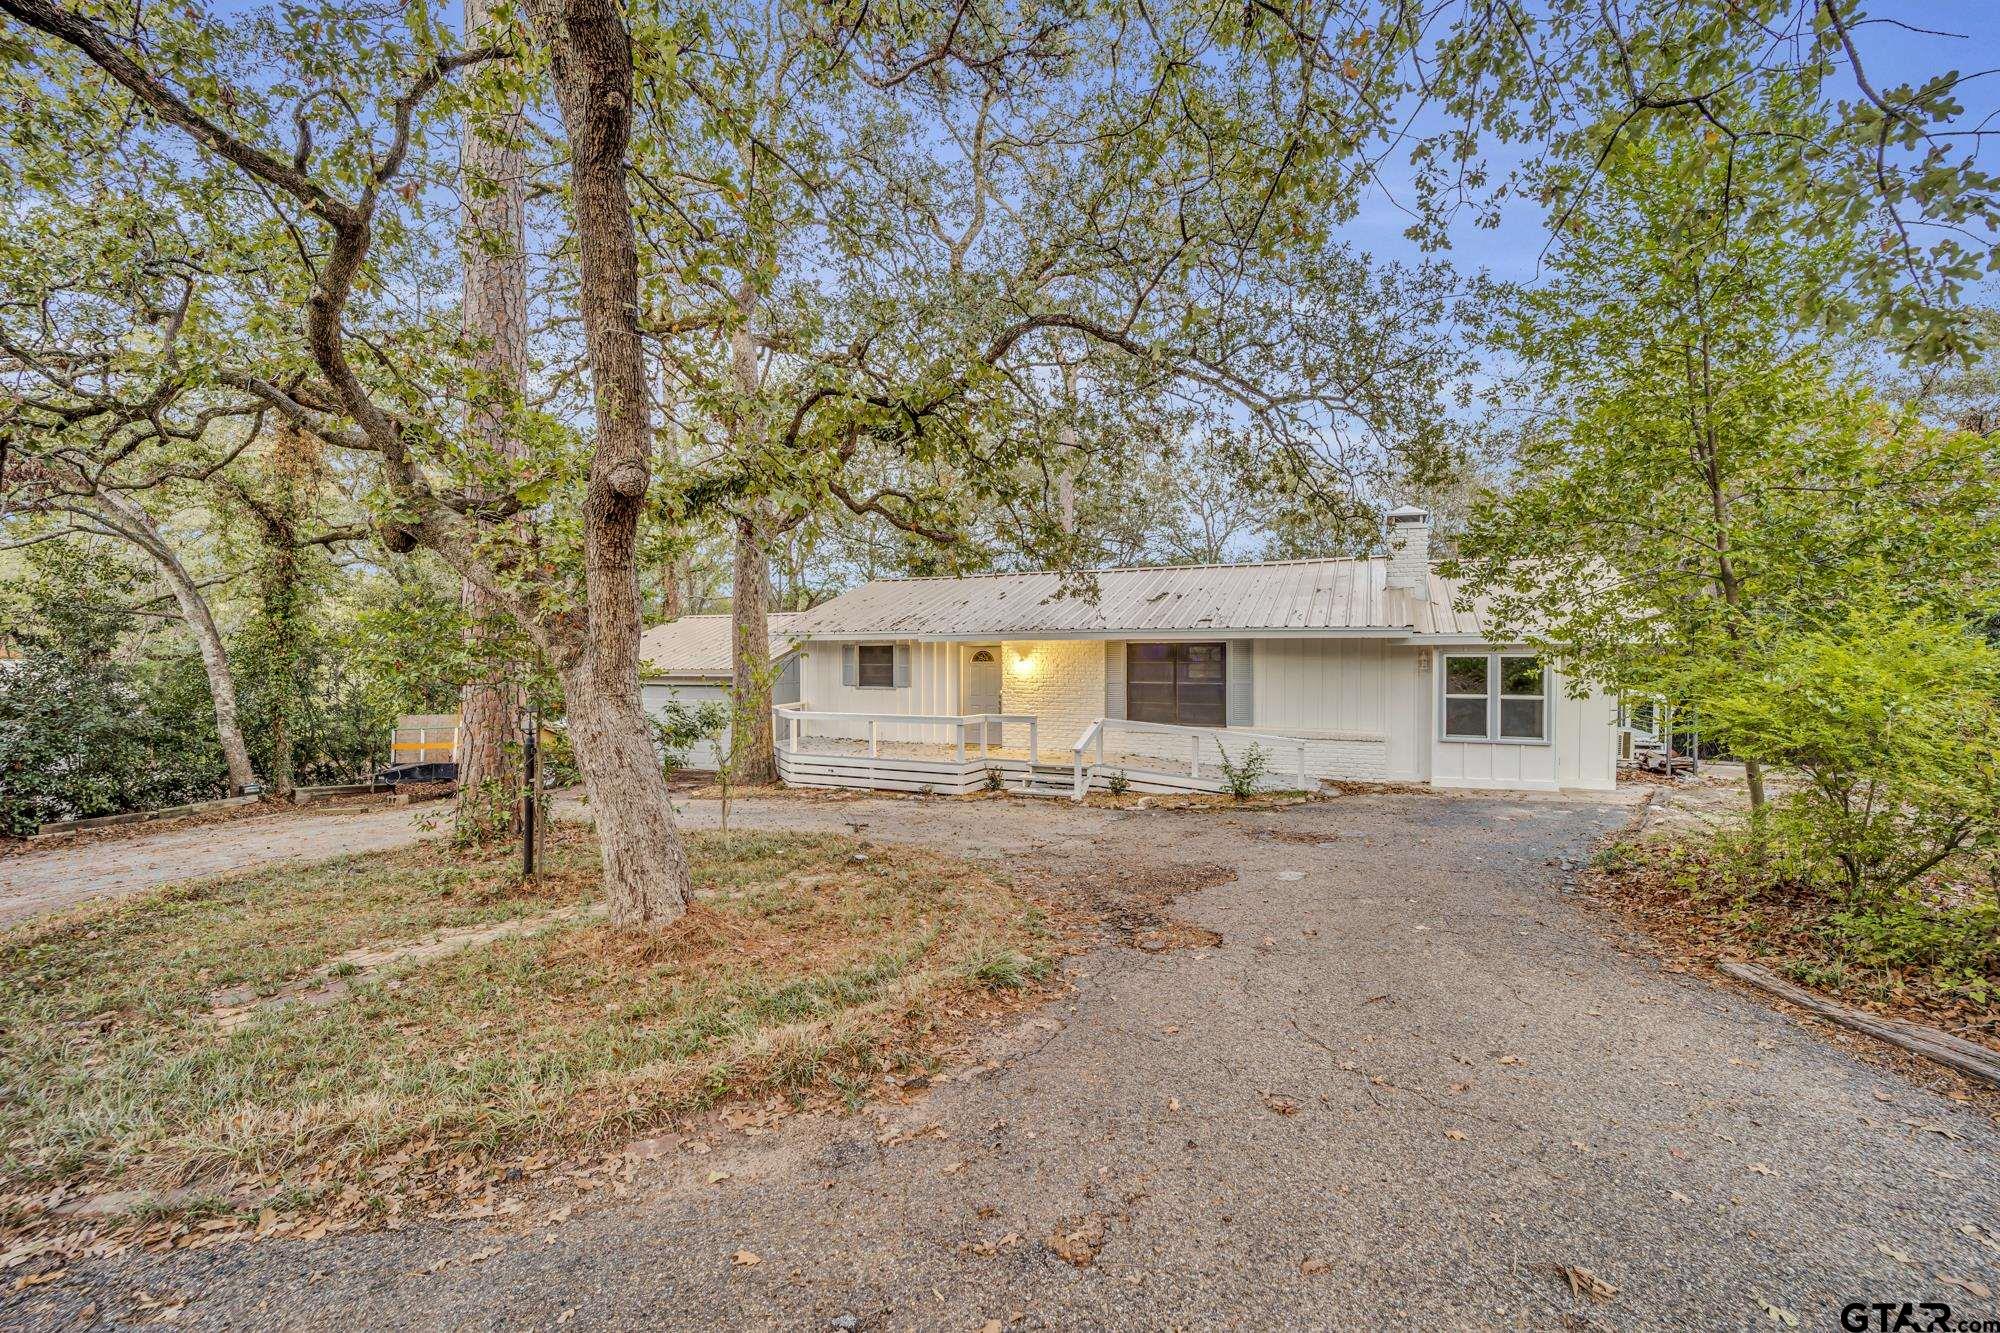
column 46, row 881
column 1482, row 1089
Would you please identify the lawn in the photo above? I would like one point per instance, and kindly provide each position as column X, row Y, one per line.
column 262, row 1038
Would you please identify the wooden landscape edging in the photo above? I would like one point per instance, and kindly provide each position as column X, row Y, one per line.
column 142, row 816
column 1967, row 1057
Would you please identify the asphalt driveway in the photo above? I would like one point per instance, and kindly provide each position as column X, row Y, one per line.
column 1414, row 1082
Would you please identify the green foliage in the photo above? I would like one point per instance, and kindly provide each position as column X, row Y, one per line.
column 1958, row 946
column 84, row 729
column 1117, row 783
column 1587, row 87
column 1244, row 775
column 1699, row 476
column 1892, row 718
column 679, row 727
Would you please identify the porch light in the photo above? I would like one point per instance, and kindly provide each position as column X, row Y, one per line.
column 1024, row 663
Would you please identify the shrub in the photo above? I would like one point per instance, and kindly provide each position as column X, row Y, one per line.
column 995, row 779
column 679, row 727
column 1893, row 721
column 1245, row 775
column 1117, row 783
column 1959, row 946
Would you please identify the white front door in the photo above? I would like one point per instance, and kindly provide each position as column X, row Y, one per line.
column 980, row 689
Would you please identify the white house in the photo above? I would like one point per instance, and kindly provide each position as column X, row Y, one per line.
column 688, row 660
column 1358, row 669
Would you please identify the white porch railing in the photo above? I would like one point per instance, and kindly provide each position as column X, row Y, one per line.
column 790, row 722
column 1196, row 736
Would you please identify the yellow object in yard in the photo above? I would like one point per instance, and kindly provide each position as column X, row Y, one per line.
column 424, row 738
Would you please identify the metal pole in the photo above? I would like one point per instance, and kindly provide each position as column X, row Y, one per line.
column 530, row 764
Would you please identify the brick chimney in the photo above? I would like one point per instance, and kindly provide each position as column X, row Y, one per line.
column 1408, row 530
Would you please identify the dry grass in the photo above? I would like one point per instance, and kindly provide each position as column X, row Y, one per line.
column 801, row 972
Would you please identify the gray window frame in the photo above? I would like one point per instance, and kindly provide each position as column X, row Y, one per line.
column 1179, row 647
column 1494, row 658
column 860, row 666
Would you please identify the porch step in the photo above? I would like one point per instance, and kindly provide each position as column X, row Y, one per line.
column 1049, row 780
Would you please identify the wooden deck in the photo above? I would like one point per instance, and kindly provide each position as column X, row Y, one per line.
column 963, row 766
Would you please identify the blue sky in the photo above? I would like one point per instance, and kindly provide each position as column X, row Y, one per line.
column 1936, row 36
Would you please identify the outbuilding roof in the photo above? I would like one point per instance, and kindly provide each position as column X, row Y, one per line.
column 1269, row 598
column 700, row 645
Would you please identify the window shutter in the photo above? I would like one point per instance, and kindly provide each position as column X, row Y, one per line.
column 848, row 671
column 1114, row 679
column 1242, row 703
column 902, row 666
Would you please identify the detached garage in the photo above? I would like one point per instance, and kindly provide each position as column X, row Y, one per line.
column 688, row 660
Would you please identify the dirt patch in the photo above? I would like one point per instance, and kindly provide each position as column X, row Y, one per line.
column 1346, row 788
column 1302, row 838
column 235, row 814
column 1132, row 901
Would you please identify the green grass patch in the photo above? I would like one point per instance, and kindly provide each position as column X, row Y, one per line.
column 797, row 972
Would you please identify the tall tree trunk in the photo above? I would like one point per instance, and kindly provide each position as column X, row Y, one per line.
column 673, row 576
column 279, row 587
column 132, row 522
column 1709, row 454
column 750, row 656
column 755, row 758
column 646, row 873
column 1065, row 465
column 495, row 312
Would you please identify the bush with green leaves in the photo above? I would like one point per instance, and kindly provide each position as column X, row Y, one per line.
column 678, row 727
column 87, row 729
column 1891, row 720
column 1243, row 775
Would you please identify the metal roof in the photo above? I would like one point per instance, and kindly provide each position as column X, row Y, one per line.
column 699, row 645
column 1272, row 598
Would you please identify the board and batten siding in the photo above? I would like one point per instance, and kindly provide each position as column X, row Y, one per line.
column 1362, row 701
column 933, row 675
column 1582, row 753
column 654, row 696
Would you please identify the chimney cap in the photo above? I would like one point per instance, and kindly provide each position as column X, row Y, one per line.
column 1408, row 514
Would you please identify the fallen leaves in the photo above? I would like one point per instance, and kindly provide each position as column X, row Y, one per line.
column 458, row 1261
column 1281, row 1105
column 744, row 1259
column 1455, row 1135
column 1313, row 1267
column 1968, row 1285
column 1583, row 1282
column 1777, row 1314
column 1076, row 1240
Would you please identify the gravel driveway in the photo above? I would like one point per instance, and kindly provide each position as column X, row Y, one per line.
column 1414, row 1082
column 34, row 882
